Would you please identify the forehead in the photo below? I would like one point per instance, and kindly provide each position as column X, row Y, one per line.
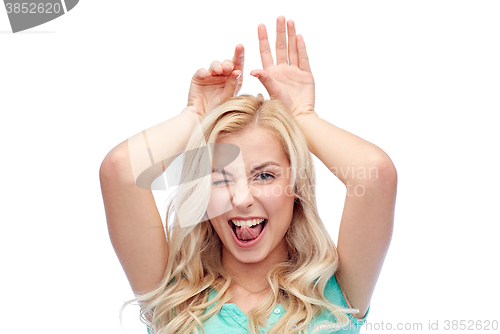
column 257, row 145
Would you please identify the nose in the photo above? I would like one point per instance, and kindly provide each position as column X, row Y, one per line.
column 243, row 196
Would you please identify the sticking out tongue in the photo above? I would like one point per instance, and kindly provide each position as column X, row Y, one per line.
column 247, row 232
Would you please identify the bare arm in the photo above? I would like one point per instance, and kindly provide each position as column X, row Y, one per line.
column 134, row 223
column 367, row 219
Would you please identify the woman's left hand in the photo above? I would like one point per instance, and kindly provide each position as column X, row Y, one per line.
column 290, row 80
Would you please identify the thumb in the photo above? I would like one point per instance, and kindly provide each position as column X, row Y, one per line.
column 272, row 87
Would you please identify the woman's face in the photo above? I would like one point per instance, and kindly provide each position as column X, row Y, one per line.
column 253, row 189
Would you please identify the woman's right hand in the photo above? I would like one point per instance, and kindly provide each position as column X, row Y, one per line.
column 220, row 82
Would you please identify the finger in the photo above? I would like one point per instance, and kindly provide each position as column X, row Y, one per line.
column 270, row 84
column 227, row 67
column 240, row 83
column 238, row 61
column 216, row 68
column 292, row 44
column 239, row 57
column 231, row 88
column 281, row 57
column 302, row 52
column 265, row 50
column 201, row 74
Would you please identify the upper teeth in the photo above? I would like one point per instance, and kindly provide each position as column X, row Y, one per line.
column 251, row 222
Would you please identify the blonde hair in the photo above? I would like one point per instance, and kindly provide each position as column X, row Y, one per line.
column 194, row 264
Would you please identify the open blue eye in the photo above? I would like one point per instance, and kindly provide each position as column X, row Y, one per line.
column 265, row 176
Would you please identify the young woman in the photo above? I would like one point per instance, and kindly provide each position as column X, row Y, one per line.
column 247, row 251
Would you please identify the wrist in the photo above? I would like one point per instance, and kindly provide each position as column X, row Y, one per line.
column 306, row 123
column 303, row 109
column 305, row 115
column 193, row 113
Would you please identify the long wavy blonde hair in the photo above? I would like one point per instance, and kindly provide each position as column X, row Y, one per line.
column 194, row 267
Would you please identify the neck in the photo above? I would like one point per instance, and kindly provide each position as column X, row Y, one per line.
column 252, row 276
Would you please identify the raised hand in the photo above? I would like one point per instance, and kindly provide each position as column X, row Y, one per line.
column 290, row 80
column 220, row 82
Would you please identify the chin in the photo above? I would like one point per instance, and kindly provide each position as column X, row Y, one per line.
column 246, row 256
column 249, row 258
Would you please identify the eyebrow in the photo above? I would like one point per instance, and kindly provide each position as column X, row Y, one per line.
column 265, row 164
column 222, row 171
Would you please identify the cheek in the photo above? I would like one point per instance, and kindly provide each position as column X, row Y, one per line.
column 277, row 198
column 220, row 202
column 219, row 225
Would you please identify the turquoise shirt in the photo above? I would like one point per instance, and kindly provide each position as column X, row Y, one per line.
column 231, row 320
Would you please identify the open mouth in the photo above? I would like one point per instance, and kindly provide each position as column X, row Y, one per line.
column 247, row 230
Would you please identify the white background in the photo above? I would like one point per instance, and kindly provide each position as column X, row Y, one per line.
column 420, row 79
